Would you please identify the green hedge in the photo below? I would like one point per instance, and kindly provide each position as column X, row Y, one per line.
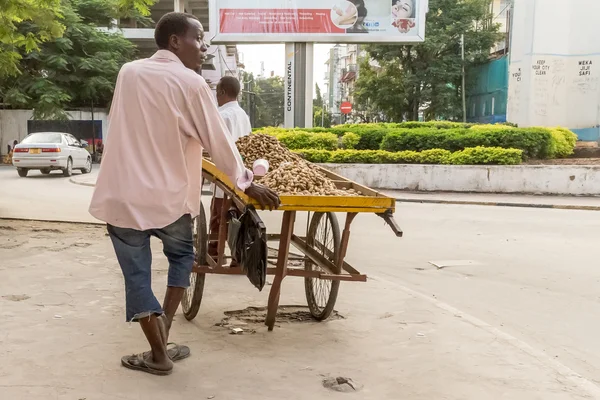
column 563, row 143
column 419, row 136
column 535, row 142
column 350, row 141
column 470, row 156
column 295, row 140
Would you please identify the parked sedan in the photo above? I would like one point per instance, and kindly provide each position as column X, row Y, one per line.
column 48, row 151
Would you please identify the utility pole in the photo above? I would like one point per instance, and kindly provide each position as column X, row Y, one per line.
column 93, row 133
column 464, row 94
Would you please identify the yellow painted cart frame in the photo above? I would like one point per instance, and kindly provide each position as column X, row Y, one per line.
column 324, row 265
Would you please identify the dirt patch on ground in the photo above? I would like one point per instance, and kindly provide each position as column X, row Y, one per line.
column 294, row 260
column 252, row 318
column 35, row 236
column 565, row 161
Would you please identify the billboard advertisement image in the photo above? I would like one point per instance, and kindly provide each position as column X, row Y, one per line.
column 318, row 21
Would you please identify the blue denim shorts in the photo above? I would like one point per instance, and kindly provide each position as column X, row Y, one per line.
column 135, row 258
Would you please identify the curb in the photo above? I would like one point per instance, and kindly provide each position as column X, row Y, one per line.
column 52, row 221
column 76, row 182
column 449, row 202
column 501, row 204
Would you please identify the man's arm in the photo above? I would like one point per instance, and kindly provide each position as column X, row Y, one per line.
column 213, row 134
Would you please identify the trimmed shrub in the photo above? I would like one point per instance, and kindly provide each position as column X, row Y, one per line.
column 434, row 156
column 563, row 142
column 486, row 155
column 315, row 156
column 323, row 141
column 432, row 125
column 350, row 140
column 294, row 140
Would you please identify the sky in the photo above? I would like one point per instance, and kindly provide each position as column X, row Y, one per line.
column 273, row 56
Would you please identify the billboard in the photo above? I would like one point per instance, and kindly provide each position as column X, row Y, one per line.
column 318, row 21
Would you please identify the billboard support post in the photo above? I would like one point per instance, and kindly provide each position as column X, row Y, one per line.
column 300, row 24
column 298, row 84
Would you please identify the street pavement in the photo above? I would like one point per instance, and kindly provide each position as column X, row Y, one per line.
column 504, row 297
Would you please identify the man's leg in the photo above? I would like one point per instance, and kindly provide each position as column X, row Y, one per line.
column 178, row 246
column 152, row 330
column 132, row 248
column 173, row 298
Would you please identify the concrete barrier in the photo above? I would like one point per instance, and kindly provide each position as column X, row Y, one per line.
column 528, row 179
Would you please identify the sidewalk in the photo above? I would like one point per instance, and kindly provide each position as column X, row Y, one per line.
column 64, row 334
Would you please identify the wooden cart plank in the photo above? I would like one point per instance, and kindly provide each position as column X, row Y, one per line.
column 374, row 202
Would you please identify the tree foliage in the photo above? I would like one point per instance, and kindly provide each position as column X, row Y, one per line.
column 402, row 80
column 46, row 16
column 263, row 99
column 76, row 69
column 321, row 117
column 270, row 101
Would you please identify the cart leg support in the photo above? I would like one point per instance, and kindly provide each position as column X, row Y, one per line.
column 223, row 231
column 345, row 240
column 287, row 230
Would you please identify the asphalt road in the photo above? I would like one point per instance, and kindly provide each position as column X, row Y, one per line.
column 530, row 276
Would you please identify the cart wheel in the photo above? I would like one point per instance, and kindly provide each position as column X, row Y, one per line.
column 192, row 297
column 324, row 237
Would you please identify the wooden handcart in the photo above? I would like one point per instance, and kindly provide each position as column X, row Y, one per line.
column 323, row 247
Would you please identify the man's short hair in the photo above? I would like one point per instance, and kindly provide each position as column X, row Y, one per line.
column 230, row 85
column 173, row 23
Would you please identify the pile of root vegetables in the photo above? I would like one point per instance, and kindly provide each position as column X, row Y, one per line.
column 289, row 174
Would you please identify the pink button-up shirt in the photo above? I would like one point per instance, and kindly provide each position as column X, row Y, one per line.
column 162, row 116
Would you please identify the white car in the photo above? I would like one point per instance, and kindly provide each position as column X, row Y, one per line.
column 48, row 151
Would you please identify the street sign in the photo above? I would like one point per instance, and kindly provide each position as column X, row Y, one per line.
column 346, row 107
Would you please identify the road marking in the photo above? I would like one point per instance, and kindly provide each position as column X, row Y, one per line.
column 577, row 379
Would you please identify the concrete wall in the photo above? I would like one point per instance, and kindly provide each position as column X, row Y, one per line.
column 530, row 179
column 554, row 74
column 13, row 124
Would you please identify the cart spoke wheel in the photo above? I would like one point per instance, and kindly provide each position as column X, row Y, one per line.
column 192, row 297
column 323, row 236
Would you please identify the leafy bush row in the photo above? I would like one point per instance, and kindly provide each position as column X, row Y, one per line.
column 419, row 136
column 469, row 156
column 295, row 140
column 535, row 142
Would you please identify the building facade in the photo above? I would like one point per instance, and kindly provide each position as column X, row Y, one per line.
column 553, row 76
column 340, row 78
column 487, row 89
column 223, row 59
column 501, row 14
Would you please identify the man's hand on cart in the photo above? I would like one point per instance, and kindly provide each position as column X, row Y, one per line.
column 265, row 196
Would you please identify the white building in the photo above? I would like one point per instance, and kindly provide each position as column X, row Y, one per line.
column 340, row 77
column 554, row 77
column 500, row 10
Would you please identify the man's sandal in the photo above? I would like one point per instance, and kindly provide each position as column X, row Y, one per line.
column 176, row 352
column 140, row 362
